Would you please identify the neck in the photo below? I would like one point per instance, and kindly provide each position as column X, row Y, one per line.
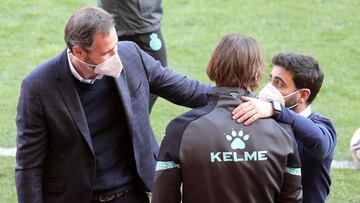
column 300, row 108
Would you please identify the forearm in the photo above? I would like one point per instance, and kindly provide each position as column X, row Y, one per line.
column 31, row 142
column 310, row 134
column 298, row 123
column 167, row 186
column 180, row 89
column 30, row 155
column 291, row 189
column 29, row 185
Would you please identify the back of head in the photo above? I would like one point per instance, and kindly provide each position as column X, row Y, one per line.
column 237, row 61
column 305, row 71
column 84, row 24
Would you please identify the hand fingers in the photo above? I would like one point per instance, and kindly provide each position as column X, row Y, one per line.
column 242, row 106
column 247, row 115
column 252, row 119
column 245, row 98
column 243, row 110
column 248, row 101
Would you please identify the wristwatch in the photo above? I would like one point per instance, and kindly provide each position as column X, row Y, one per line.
column 276, row 106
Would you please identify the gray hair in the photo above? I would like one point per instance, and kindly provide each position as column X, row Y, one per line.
column 84, row 24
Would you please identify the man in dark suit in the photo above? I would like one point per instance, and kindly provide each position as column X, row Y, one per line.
column 83, row 132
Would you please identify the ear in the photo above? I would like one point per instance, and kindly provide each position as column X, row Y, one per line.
column 304, row 95
column 78, row 52
column 258, row 75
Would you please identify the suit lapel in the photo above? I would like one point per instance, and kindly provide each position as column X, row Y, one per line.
column 68, row 92
column 123, row 88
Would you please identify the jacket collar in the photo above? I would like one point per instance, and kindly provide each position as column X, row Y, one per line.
column 307, row 112
column 234, row 92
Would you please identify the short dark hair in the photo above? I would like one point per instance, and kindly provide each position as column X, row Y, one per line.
column 237, row 61
column 305, row 71
column 84, row 24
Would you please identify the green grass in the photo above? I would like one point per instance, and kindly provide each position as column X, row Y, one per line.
column 7, row 183
column 29, row 35
column 345, row 186
column 32, row 32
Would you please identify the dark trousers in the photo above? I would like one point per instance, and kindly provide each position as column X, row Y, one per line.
column 147, row 42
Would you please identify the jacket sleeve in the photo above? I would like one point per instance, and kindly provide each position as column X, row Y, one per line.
column 172, row 86
column 168, row 178
column 167, row 183
column 31, row 145
column 291, row 190
column 318, row 139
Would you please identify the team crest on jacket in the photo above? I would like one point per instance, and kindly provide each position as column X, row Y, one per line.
column 155, row 43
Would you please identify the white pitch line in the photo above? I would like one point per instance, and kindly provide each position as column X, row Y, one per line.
column 335, row 163
column 345, row 164
column 7, row 151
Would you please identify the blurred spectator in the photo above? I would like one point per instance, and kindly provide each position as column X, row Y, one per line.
column 139, row 21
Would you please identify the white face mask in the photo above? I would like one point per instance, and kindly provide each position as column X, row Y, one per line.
column 110, row 67
column 270, row 93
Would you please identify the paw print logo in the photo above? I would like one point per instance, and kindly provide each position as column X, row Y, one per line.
column 237, row 139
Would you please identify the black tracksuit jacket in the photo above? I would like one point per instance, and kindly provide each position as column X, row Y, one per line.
column 218, row 160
